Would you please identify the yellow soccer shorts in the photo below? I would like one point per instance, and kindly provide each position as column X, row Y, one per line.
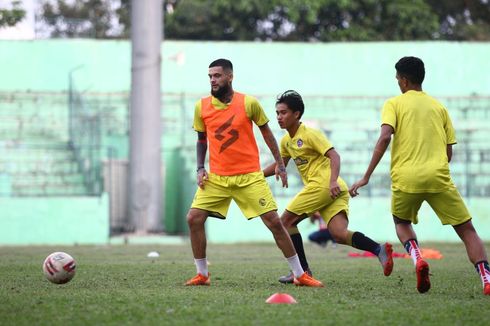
column 250, row 192
column 448, row 205
column 317, row 199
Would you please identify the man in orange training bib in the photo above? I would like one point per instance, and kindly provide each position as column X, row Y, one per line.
column 224, row 121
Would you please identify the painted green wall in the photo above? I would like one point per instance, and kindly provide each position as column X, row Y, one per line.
column 453, row 68
column 348, row 69
column 60, row 220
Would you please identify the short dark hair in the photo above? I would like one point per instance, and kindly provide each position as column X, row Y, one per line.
column 223, row 63
column 412, row 68
column 293, row 100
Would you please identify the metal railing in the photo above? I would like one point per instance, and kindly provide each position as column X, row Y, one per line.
column 92, row 123
column 85, row 136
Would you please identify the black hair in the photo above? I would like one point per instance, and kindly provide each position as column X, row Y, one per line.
column 223, row 63
column 293, row 100
column 412, row 68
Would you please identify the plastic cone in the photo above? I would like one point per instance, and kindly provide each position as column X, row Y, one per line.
column 281, row 298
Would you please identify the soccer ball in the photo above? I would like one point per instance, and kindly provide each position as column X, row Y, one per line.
column 59, row 267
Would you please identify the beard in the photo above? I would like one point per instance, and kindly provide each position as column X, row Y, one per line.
column 222, row 90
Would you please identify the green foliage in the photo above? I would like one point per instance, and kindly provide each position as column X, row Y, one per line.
column 10, row 17
column 119, row 285
column 123, row 16
column 216, row 19
column 282, row 20
column 80, row 18
column 362, row 20
column 462, row 20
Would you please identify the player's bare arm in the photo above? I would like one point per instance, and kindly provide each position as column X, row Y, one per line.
column 335, row 171
column 270, row 140
column 201, row 149
column 271, row 169
column 379, row 150
column 449, row 151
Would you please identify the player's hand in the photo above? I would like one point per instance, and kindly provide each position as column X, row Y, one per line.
column 281, row 173
column 334, row 189
column 361, row 183
column 202, row 176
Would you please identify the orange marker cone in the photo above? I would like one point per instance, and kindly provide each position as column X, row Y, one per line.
column 281, row 298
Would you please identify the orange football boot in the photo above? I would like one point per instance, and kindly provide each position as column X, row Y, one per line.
column 486, row 289
column 386, row 258
column 307, row 280
column 199, row 279
column 423, row 281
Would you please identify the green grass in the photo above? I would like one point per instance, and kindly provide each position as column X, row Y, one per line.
column 119, row 285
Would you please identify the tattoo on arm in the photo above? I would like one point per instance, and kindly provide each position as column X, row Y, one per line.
column 201, row 148
column 270, row 140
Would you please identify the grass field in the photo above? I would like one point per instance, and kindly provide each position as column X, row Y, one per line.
column 119, row 285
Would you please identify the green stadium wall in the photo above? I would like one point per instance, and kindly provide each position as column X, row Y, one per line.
column 453, row 68
column 54, row 221
column 340, row 69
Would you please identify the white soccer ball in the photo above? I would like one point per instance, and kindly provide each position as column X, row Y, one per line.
column 59, row 267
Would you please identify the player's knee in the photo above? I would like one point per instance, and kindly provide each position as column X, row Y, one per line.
column 274, row 225
column 339, row 236
column 193, row 218
column 190, row 219
column 287, row 222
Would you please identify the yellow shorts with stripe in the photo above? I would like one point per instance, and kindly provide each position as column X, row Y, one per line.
column 448, row 205
column 317, row 199
column 250, row 192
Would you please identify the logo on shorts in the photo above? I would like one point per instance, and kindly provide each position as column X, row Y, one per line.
column 299, row 142
column 262, row 202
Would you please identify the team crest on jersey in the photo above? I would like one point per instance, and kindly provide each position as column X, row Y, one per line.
column 299, row 142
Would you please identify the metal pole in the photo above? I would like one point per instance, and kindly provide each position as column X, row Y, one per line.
column 71, row 108
column 145, row 126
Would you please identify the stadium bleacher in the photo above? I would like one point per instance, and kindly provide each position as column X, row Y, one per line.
column 45, row 151
column 35, row 156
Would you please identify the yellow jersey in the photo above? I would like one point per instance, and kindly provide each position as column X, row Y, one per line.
column 307, row 148
column 423, row 129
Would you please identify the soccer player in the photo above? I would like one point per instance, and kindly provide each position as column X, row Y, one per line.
column 225, row 119
column 423, row 136
column 324, row 191
column 322, row 235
